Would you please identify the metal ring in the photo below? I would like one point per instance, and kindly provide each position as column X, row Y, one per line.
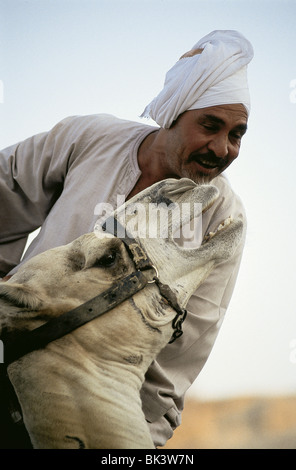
column 155, row 276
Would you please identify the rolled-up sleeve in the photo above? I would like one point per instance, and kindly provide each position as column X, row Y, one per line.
column 32, row 174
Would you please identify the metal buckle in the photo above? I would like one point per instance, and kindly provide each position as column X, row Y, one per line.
column 155, row 277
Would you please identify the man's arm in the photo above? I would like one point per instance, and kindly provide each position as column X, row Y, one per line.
column 31, row 179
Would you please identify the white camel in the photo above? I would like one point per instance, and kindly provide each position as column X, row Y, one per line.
column 83, row 389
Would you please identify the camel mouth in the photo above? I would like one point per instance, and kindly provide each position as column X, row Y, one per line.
column 222, row 226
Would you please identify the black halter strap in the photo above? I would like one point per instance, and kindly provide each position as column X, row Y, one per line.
column 125, row 288
column 60, row 326
column 143, row 262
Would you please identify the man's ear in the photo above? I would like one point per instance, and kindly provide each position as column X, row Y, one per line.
column 191, row 53
column 19, row 296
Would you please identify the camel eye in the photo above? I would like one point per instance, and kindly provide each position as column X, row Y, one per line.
column 107, row 260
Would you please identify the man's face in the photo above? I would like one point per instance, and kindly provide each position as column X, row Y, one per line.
column 204, row 142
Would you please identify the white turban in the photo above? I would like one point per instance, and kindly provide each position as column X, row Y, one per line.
column 215, row 75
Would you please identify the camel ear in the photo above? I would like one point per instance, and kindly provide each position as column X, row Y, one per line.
column 19, row 296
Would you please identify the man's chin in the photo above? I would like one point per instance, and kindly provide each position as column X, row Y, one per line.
column 201, row 178
column 200, row 174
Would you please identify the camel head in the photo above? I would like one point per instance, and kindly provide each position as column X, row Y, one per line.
column 166, row 220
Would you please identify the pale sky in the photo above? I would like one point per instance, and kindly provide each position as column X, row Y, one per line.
column 64, row 57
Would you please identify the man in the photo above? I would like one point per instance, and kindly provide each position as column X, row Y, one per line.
column 57, row 179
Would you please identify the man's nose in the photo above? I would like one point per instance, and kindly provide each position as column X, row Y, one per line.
column 219, row 145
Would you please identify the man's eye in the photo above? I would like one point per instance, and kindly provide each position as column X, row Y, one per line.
column 107, row 260
column 210, row 128
column 236, row 136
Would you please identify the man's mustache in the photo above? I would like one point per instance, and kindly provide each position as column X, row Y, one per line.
column 208, row 157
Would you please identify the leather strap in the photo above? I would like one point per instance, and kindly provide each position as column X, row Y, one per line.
column 142, row 262
column 137, row 253
column 57, row 327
